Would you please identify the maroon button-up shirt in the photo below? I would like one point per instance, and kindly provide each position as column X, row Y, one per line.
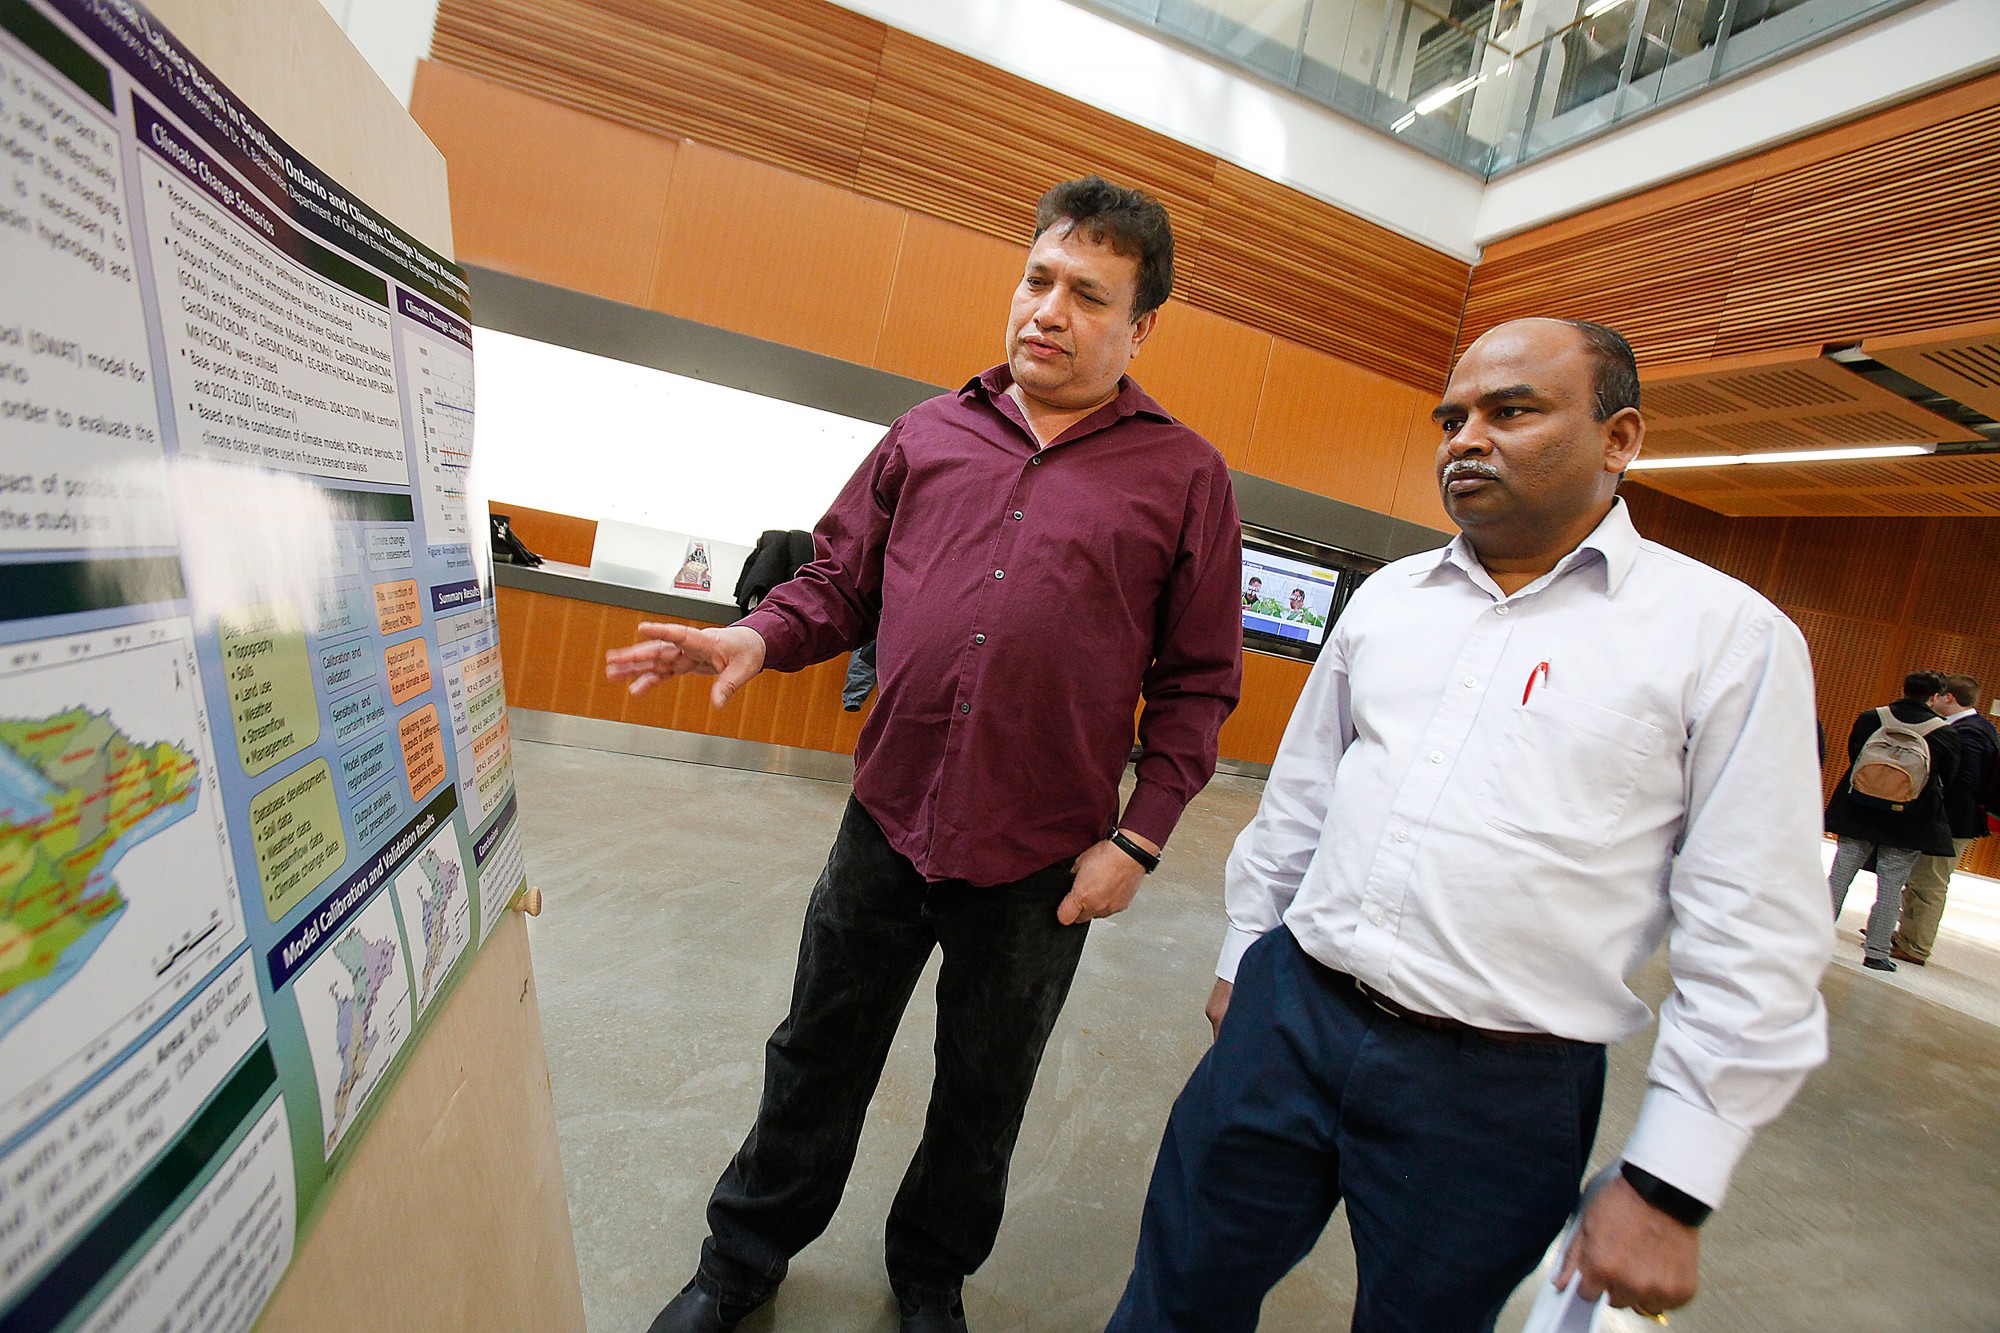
column 1022, row 601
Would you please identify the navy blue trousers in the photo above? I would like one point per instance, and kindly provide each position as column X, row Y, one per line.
column 1459, row 1159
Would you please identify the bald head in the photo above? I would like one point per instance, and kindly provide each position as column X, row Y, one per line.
column 1614, row 371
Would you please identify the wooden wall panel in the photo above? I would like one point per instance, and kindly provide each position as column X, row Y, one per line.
column 1331, row 428
column 1743, row 548
column 552, row 650
column 1661, row 279
column 1848, row 656
column 809, row 87
column 770, row 253
column 1209, row 372
column 1962, row 592
column 551, row 536
column 1417, row 496
column 1280, row 260
column 947, row 317
column 1900, row 237
column 545, row 191
column 1853, row 567
column 1271, row 688
column 959, row 139
column 1883, row 226
column 784, row 81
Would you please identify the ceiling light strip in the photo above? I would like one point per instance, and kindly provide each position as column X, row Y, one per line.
column 1786, row 456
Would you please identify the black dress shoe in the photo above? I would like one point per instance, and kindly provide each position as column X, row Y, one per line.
column 697, row 1310
column 1878, row 964
column 933, row 1316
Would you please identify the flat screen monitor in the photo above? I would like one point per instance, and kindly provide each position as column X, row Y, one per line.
column 1293, row 590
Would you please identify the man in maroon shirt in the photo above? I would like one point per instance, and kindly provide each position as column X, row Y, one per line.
column 1033, row 554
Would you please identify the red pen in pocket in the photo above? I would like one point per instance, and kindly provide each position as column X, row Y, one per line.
column 1542, row 670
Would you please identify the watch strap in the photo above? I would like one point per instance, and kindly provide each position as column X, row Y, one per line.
column 1678, row 1204
column 1135, row 851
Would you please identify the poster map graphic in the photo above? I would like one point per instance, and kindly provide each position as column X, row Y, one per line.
column 116, row 896
column 355, row 1003
column 256, row 794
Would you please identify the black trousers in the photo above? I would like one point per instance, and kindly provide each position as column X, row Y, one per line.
column 869, row 930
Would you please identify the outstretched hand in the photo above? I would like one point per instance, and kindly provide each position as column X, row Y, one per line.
column 732, row 655
column 1623, row 1245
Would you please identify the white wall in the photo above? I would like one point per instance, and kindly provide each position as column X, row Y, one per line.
column 580, row 434
column 393, row 34
column 1889, row 61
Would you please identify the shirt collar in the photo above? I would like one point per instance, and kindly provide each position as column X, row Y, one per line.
column 1614, row 540
column 1963, row 712
column 1130, row 401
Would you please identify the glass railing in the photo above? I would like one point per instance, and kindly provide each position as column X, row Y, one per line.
column 1490, row 84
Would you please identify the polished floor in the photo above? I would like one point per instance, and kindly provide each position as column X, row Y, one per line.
column 674, row 894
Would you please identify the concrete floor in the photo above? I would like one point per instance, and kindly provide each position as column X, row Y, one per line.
column 665, row 954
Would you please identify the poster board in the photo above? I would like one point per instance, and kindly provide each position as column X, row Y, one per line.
column 256, row 806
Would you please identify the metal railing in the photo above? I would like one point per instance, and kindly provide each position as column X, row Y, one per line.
column 1488, row 85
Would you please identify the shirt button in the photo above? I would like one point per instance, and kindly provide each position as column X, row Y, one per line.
column 1036, row 460
column 979, row 638
column 1402, row 835
column 1470, row 681
column 1001, row 574
column 1437, row 756
column 1500, row 610
column 1017, row 516
column 965, row 708
column 1376, row 916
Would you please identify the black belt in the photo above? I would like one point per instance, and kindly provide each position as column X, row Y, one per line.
column 1437, row 1024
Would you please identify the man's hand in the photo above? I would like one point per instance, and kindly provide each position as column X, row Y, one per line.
column 732, row 655
column 1106, row 881
column 1624, row 1245
column 1218, row 1005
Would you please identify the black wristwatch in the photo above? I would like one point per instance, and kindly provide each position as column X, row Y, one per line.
column 1135, row 851
column 1683, row 1207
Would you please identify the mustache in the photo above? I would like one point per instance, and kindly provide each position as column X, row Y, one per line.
column 1462, row 468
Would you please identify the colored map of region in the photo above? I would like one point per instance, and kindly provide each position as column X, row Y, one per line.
column 76, row 794
column 442, row 881
column 367, row 963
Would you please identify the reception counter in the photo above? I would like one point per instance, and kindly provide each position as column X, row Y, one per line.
column 557, row 622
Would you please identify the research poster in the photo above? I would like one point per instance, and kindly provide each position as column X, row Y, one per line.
column 256, row 794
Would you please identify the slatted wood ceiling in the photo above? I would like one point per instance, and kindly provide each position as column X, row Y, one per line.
column 812, row 88
column 1962, row 363
column 1783, row 401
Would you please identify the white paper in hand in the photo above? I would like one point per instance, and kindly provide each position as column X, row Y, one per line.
column 1563, row 1309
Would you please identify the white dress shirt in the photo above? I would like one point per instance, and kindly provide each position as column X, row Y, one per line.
column 1509, row 863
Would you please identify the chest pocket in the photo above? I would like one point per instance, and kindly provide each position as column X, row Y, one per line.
column 1564, row 771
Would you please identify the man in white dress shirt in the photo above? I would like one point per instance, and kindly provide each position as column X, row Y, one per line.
column 1519, row 764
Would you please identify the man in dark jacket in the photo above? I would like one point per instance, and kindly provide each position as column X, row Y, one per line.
column 1893, row 835
column 1964, row 812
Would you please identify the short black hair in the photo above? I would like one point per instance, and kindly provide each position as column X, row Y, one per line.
column 1922, row 685
column 1962, row 688
column 1615, row 376
column 1131, row 222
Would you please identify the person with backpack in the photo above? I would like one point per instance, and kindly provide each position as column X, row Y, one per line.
column 1967, row 800
column 1889, row 805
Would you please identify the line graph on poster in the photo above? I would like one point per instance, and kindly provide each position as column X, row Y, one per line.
column 117, row 894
